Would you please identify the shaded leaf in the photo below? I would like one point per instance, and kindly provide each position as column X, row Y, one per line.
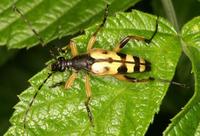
column 5, row 55
column 187, row 121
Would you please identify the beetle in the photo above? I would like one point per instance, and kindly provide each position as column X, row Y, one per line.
column 98, row 62
column 101, row 62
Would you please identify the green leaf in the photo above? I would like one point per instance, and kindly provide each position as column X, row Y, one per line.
column 51, row 19
column 187, row 122
column 118, row 107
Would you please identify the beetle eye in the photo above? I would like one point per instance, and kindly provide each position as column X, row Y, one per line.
column 61, row 58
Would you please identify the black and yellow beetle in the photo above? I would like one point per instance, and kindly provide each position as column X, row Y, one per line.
column 99, row 62
column 102, row 62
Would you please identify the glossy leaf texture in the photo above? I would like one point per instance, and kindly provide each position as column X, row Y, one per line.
column 51, row 19
column 187, row 122
column 118, row 107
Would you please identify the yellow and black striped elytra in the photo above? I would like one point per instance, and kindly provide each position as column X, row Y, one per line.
column 113, row 63
column 99, row 62
column 103, row 62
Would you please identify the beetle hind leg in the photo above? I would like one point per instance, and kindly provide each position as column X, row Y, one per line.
column 132, row 79
column 125, row 40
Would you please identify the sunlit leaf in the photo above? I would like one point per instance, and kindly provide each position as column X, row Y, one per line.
column 50, row 19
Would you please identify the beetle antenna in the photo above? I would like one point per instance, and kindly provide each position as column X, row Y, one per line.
column 174, row 83
column 15, row 9
column 33, row 98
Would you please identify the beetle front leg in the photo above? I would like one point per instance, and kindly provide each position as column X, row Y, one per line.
column 70, row 80
column 73, row 48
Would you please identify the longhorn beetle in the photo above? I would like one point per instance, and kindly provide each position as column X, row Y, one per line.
column 99, row 62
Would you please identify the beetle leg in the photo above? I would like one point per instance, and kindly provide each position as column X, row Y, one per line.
column 94, row 35
column 132, row 79
column 88, row 93
column 62, row 51
column 73, row 48
column 68, row 83
column 70, row 80
column 124, row 41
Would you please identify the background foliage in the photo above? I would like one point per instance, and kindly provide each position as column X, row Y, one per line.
column 18, row 66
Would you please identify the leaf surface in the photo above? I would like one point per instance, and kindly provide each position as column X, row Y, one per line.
column 50, row 19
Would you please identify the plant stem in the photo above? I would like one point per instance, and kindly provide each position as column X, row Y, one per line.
column 170, row 12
